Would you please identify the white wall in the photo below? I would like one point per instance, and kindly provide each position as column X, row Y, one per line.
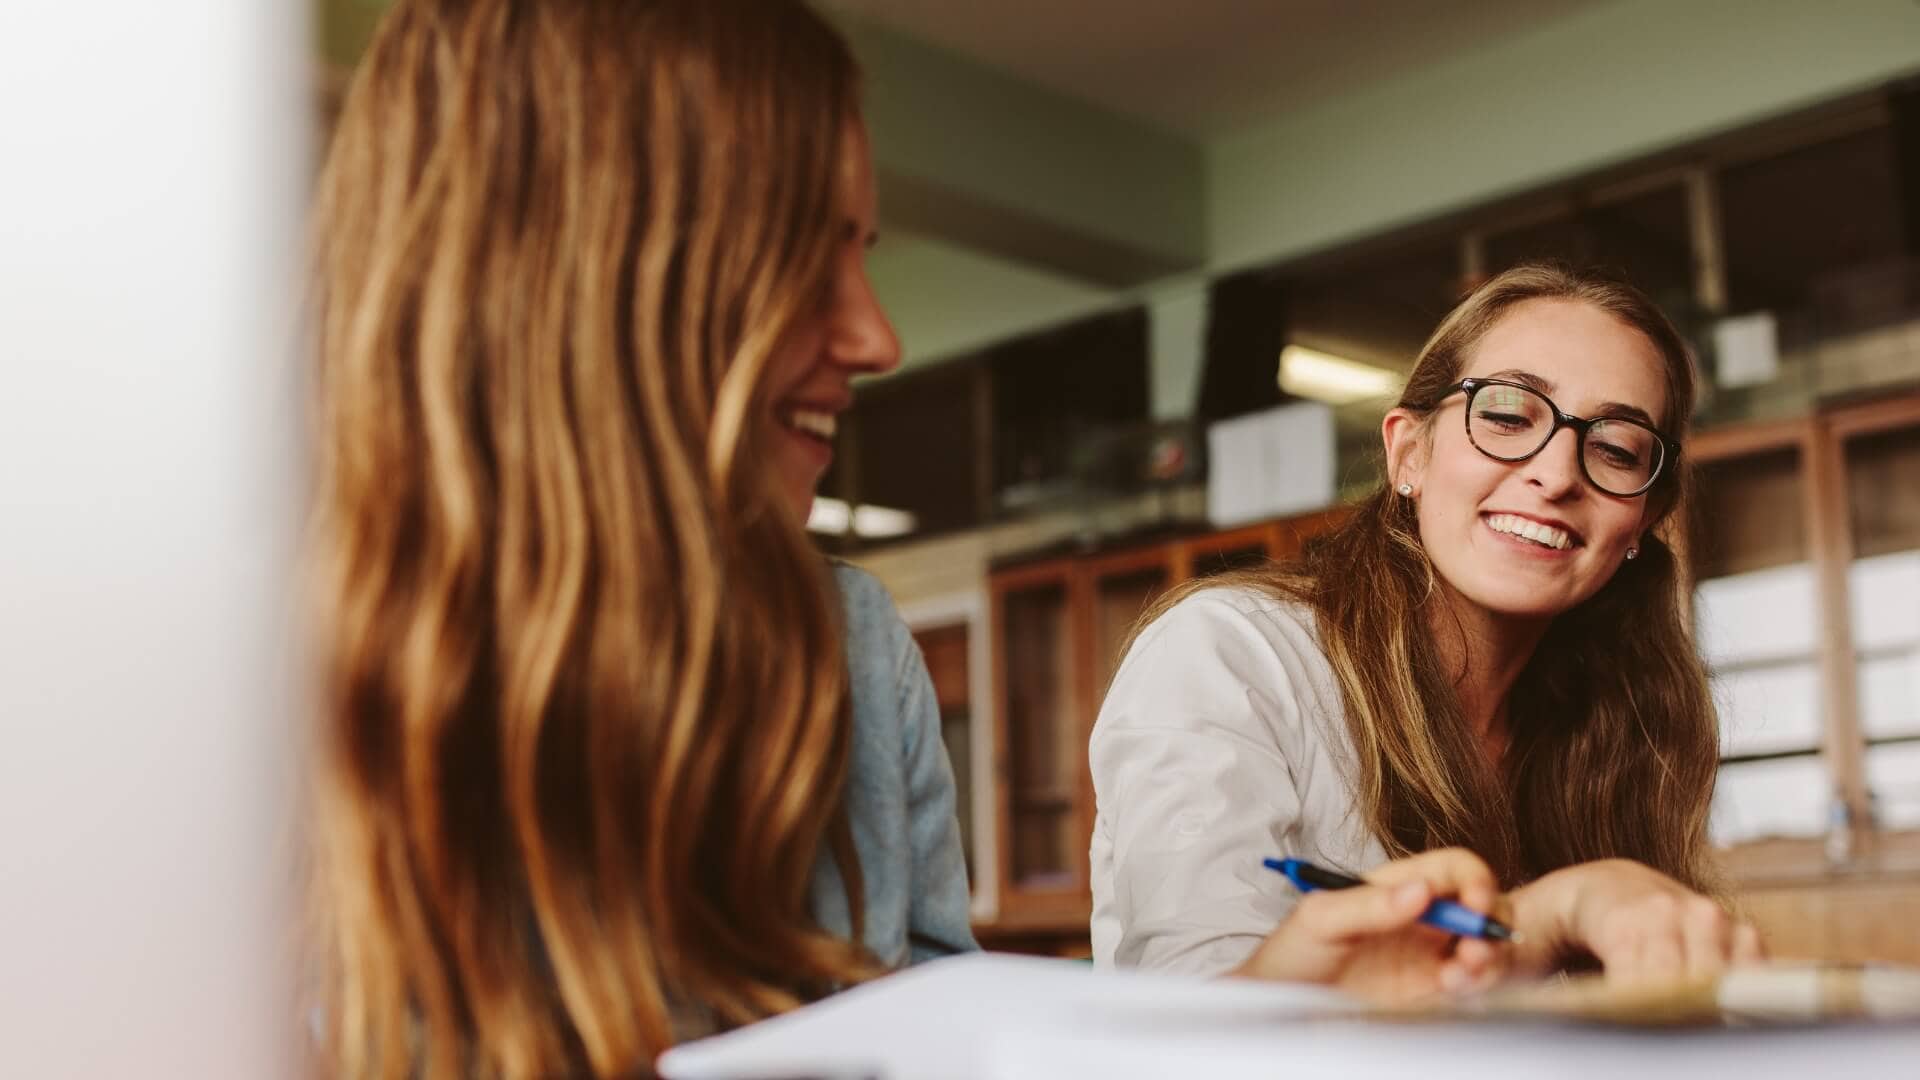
column 148, row 496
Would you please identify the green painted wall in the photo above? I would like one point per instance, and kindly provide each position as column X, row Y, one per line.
column 965, row 126
column 943, row 297
column 1605, row 85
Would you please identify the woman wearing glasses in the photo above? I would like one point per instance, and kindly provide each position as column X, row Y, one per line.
column 1484, row 681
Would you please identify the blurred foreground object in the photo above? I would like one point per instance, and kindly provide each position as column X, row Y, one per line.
column 149, row 416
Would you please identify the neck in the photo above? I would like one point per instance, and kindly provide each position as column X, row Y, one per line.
column 1485, row 653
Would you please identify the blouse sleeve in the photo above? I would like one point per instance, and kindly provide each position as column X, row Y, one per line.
column 1194, row 788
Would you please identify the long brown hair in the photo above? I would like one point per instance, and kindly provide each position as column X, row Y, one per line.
column 584, row 730
column 1613, row 733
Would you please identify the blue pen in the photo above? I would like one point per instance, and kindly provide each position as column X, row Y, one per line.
column 1441, row 914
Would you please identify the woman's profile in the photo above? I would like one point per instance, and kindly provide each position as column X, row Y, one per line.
column 609, row 755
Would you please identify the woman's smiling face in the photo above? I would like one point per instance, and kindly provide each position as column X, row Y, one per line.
column 1533, row 538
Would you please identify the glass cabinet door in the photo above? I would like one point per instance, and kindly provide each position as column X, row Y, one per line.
column 946, row 650
column 1122, row 591
column 1044, row 747
column 1757, row 613
column 1883, row 596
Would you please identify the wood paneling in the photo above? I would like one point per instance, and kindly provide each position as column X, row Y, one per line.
column 945, row 648
column 1874, row 920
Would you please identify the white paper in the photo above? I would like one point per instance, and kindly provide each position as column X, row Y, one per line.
column 1746, row 350
column 937, row 1021
column 996, row 1017
column 1271, row 463
column 1480, row 1050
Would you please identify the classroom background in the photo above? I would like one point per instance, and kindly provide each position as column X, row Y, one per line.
column 1157, row 269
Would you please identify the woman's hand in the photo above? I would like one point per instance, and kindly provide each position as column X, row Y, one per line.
column 1368, row 941
column 1642, row 925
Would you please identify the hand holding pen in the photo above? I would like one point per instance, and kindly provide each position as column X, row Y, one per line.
column 1368, row 939
column 1447, row 915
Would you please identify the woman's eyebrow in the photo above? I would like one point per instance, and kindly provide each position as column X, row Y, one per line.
column 1616, row 409
column 1525, row 378
column 1623, row 411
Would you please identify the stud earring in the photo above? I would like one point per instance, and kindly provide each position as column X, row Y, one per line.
column 1404, row 489
column 1633, row 553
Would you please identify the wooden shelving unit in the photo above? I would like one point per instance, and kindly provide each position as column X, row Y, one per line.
column 1821, row 492
column 1817, row 492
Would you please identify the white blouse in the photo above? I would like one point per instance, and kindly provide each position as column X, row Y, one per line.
column 1222, row 741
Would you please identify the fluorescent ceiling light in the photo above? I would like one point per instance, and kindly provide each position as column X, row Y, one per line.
column 829, row 516
column 1334, row 379
column 881, row 522
column 869, row 522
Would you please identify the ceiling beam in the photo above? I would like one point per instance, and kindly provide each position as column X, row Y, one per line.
column 976, row 158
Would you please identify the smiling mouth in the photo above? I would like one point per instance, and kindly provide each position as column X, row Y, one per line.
column 812, row 422
column 1530, row 532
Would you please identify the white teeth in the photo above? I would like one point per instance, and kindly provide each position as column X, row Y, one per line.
column 812, row 422
column 1544, row 535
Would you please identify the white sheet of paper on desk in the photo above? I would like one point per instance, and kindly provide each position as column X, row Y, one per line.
column 940, row 1020
column 1270, row 463
column 997, row 1017
column 1489, row 1050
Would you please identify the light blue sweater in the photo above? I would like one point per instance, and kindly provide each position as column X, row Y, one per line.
column 900, row 793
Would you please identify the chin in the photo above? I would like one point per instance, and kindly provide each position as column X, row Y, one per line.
column 798, row 493
column 1519, row 603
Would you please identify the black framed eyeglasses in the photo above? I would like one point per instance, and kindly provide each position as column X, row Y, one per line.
column 1509, row 421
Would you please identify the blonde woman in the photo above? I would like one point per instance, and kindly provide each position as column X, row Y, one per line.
column 609, row 756
column 1484, row 681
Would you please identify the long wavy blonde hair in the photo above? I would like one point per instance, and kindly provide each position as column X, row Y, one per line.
column 584, row 729
column 1614, row 743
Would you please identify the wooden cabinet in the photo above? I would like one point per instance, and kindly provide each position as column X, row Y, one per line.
column 1804, row 550
column 1806, row 560
column 1037, row 664
column 1058, row 628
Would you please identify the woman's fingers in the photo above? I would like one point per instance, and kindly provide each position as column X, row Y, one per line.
column 1450, row 872
column 1362, row 911
column 1661, row 956
column 1475, row 956
column 1747, row 947
column 1671, row 936
column 1708, row 935
column 1475, row 965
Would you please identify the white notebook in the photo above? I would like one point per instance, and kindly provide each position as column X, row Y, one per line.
column 998, row 1017
column 939, row 1020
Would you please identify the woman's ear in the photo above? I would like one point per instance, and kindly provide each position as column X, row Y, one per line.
column 1406, row 442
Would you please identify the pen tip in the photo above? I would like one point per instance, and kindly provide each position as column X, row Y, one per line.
column 1494, row 931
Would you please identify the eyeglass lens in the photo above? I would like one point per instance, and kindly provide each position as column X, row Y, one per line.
column 1511, row 422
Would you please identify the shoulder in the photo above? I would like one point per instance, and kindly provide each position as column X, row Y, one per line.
column 871, row 623
column 1226, row 660
column 886, row 675
column 1236, row 619
column 862, row 596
